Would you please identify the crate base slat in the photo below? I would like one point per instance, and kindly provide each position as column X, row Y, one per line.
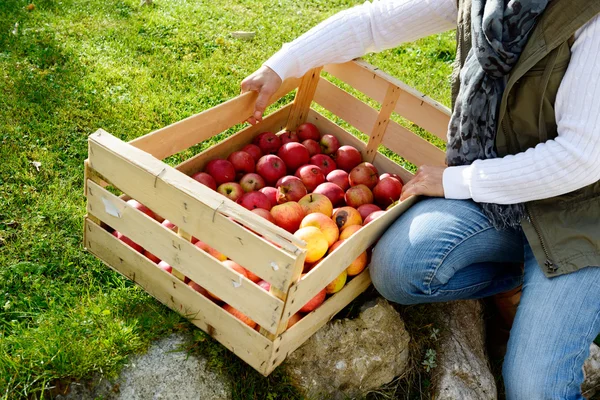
column 244, row 341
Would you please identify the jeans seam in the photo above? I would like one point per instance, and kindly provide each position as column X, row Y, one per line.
column 429, row 278
column 572, row 369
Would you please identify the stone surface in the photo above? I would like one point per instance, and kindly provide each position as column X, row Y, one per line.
column 346, row 358
column 462, row 370
column 164, row 372
column 591, row 368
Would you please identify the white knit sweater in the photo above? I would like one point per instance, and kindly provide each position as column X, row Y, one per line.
column 558, row 166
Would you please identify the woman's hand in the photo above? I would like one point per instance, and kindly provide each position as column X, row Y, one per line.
column 264, row 81
column 428, row 182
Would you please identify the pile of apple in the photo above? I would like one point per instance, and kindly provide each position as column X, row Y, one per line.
column 307, row 184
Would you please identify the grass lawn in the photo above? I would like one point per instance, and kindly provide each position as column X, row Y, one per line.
column 73, row 66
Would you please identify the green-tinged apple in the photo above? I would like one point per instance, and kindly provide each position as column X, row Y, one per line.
column 252, row 182
column 337, row 284
column 231, row 190
column 288, row 215
column 324, row 223
column 346, row 216
column 316, row 243
column 315, row 202
column 358, row 195
column 329, row 144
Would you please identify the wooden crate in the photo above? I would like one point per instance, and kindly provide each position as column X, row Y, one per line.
column 136, row 169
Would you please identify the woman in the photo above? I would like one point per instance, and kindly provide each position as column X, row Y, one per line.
column 522, row 182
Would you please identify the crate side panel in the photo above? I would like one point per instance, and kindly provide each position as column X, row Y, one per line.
column 245, row 342
column 194, row 263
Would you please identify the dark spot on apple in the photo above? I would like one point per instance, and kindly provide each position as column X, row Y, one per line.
column 341, row 218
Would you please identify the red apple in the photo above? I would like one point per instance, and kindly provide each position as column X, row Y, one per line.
column 332, row 191
column 242, row 317
column 329, row 144
column 314, row 302
column 268, row 142
column 347, row 157
column 242, row 162
column 271, row 168
column 367, row 209
column 133, row 244
column 221, row 170
column 169, row 225
column 293, row 155
column 205, row 179
column 311, row 176
column 288, row 137
column 198, row 288
column 364, row 174
column 291, row 190
column 165, row 267
column 387, row 175
column 358, row 195
column 288, row 215
column 252, row 182
column 340, row 178
column 254, row 151
column 265, row 285
column 294, row 319
column 308, row 131
column 252, row 200
column 372, row 216
column 387, row 191
column 213, row 252
column 285, row 179
column 139, row 206
column 271, row 194
column 264, row 213
column 151, row 257
column 231, row 190
column 312, row 146
column 324, row 162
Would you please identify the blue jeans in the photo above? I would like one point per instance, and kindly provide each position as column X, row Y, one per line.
column 444, row 250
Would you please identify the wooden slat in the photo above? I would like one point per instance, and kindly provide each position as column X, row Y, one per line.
column 333, row 265
column 155, row 182
column 413, row 148
column 304, row 96
column 274, row 122
column 383, row 119
column 197, row 128
column 360, row 115
column 412, row 105
column 294, row 337
column 382, row 163
column 245, row 342
column 194, row 263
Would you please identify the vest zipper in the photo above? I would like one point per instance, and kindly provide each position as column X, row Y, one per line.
column 549, row 264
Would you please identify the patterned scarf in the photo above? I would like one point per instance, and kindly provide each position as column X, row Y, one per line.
column 499, row 31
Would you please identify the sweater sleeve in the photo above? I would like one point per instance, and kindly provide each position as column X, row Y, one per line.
column 569, row 162
column 370, row 27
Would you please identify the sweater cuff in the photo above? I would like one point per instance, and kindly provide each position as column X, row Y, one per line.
column 457, row 182
column 282, row 63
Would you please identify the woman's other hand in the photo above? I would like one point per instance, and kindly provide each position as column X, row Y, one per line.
column 264, row 81
column 428, row 181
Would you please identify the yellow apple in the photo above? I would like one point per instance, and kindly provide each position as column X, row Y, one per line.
column 349, row 231
column 324, row 224
column 316, row 202
column 337, row 284
column 316, row 242
column 357, row 265
column 346, row 216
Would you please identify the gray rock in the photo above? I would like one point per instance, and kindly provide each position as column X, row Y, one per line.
column 164, row 372
column 462, row 370
column 591, row 368
column 347, row 358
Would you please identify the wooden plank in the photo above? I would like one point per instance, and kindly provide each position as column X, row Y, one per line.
column 383, row 119
column 382, row 163
column 274, row 122
column 333, row 265
column 294, row 337
column 304, row 96
column 197, row 128
column 192, row 206
column 413, row 105
column 413, row 148
column 245, row 342
column 358, row 114
column 194, row 263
